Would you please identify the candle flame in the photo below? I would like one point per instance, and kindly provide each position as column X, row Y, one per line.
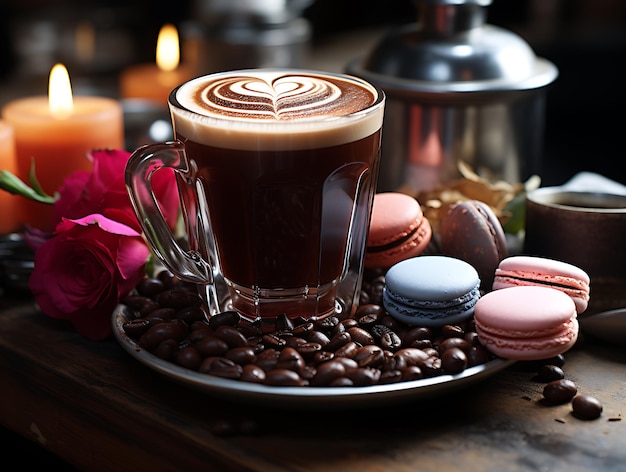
column 60, row 100
column 168, row 50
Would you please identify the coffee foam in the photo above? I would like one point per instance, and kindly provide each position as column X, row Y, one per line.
column 276, row 109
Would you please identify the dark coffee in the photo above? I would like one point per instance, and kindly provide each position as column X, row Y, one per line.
column 288, row 164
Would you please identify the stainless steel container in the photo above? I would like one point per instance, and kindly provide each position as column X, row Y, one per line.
column 227, row 34
column 458, row 89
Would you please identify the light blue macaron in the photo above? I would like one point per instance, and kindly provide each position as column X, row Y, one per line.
column 431, row 291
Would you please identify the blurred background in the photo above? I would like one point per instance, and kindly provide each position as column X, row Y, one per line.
column 97, row 40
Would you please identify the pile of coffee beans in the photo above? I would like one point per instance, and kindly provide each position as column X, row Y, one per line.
column 369, row 348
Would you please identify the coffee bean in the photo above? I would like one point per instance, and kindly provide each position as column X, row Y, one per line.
column 349, row 323
column 157, row 333
column 548, row 373
column 161, row 314
column 328, row 371
column 178, row 298
column 149, row 287
column 560, row 391
column 586, row 407
column 394, row 362
column 453, row 360
column 284, row 378
column 241, row 355
column 412, row 356
column 188, row 357
column 211, row 345
column 323, row 356
column 452, row 331
column 472, row 338
column 459, row 343
column 318, row 337
column 390, row 376
column 558, row 360
column 339, row 328
column 135, row 328
column 387, row 338
column 369, row 315
column 341, row 382
column 477, row 355
column 291, row 359
column 377, row 287
column 361, row 336
column 267, row 359
column 421, row 343
column 363, row 376
column 273, row 341
column 166, row 349
column 347, row 351
column 338, row 341
column 308, row 350
column 421, row 333
column 369, row 356
column 225, row 318
column 294, row 341
column 252, row 373
column 140, row 303
column 221, row 367
column 231, row 335
column 327, row 324
column 304, row 329
column 167, row 278
column 432, row 366
column 412, row 372
column 431, row 352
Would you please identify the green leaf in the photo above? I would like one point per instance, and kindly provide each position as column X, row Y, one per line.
column 150, row 266
column 32, row 178
column 13, row 184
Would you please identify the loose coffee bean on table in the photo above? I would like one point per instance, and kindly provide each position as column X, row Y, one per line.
column 372, row 348
column 586, row 407
column 560, row 391
column 549, row 373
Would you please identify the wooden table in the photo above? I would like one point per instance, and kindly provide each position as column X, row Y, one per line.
column 98, row 409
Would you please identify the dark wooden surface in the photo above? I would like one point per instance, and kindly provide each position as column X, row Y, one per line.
column 96, row 408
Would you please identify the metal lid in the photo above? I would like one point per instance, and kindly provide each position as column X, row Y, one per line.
column 451, row 49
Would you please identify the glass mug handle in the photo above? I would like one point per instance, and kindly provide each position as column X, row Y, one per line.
column 188, row 265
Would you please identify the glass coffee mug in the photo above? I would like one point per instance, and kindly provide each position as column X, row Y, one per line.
column 276, row 172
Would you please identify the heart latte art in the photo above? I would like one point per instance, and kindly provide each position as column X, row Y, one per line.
column 268, row 109
column 267, row 95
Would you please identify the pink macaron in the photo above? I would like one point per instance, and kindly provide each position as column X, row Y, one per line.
column 526, row 323
column 517, row 271
column 398, row 230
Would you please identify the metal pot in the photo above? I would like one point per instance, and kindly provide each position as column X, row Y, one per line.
column 226, row 34
column 457, row 90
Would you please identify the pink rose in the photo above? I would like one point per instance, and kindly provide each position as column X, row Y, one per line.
column 86, row 193
column 82, row 272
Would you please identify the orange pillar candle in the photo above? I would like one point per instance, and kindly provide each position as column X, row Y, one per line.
column 156, row 81
column 57, row 132
column 9, row 221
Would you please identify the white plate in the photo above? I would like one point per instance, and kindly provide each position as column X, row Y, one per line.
column 316, row 397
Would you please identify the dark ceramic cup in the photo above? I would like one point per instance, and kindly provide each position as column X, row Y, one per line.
column 585, row 229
